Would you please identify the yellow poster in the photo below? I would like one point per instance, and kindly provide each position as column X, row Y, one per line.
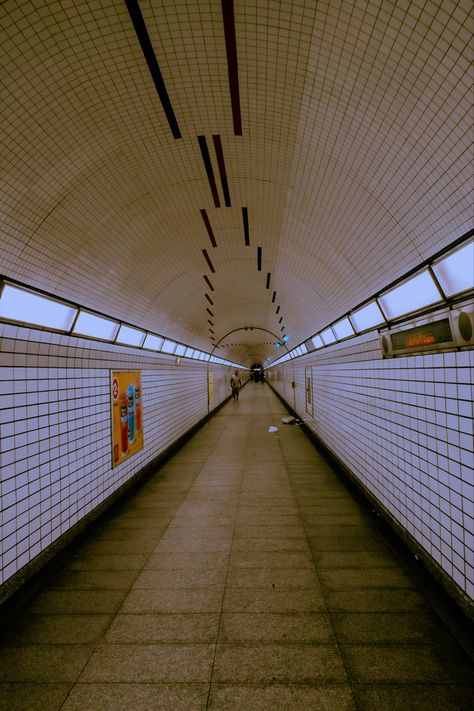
column 127, row 420
column 210, row 386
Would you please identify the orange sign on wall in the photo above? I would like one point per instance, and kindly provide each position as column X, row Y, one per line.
column 127, row 421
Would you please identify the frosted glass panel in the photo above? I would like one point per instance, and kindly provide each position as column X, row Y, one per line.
column 180, row 350
column 368, row 316
column 328, row 337
column 19, row 305
column 95, row 326
column 343, row 328
column 153, row 343
column 456, row 272
column 130, row 336
column 168, row 347
column 317, row 342
column 414, row 294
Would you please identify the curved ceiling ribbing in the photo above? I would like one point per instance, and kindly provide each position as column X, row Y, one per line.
column 353, row 166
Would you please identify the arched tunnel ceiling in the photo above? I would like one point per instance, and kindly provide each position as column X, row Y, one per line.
column 342, row 152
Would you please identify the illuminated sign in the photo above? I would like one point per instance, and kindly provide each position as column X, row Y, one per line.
column 436, row 334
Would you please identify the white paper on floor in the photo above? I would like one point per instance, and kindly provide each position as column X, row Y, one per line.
column 273, row 429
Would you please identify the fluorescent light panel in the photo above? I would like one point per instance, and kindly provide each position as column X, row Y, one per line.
column 130, row 336
column 20, row 305
column 94, row 326
column 328, row 336
column 343, row 329
column 455, row 272
column 153, row 343
column 412, row 295
column 369, row 316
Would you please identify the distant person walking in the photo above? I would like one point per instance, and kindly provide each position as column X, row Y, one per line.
column 235, row 384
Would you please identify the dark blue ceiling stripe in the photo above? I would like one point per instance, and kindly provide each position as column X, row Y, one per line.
column 222, row 170
column 232, row 64
column 148, row 51
column 208, row 165
column 245, row 217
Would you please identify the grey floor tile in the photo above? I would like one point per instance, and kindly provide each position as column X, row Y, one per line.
column 149, row 663
column 281, row 697
column 137, row 697
column 173, row 561
column 276, row 578
column 153, row 628
column 404, row 664
column 270, row 627
column 32, row 697
column 57, row 629
column 375, row 600
column 285, row 663
column 93, row 580
column 347, row 543
column 208, row 545
column 414, row 697
column 265, row 559
column 356, row 559
column 172, row 600
column 77, row 602
column 389, row 628
column 43, row 663
column 108, row 561
column 269, row 544
column 194, row 578
column 365, row 578
column 239, row 600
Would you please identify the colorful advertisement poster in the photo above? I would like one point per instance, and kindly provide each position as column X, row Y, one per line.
column 127, row 421
column 210, row 386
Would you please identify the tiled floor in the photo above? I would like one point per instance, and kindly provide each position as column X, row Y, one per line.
column 242, row 577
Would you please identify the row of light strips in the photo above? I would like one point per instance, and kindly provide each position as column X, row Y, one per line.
column 22, row 305
column 443, row 279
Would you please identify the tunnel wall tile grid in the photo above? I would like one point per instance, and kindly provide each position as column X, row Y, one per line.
column 55, row 453
column 404, row 427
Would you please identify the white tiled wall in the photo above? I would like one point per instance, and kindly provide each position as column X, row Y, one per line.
column 404, row 427
column 55, row 449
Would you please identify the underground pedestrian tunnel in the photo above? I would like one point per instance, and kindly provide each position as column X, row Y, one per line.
column 187, row 189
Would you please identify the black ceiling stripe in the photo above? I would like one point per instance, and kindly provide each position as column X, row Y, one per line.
column 209, row 299
column 268, row 280
column 210, row 172
column 208, row 283
column 245, row 217
column 209, row 312
column 282, row 328
column 222, row 170
column 208, row 260
column 278, row 310
column 274, row 297
column 281, row 319
column 147, row 49
column 209, row 321
column 232, row 64
column 259, row 259
column 208, row 228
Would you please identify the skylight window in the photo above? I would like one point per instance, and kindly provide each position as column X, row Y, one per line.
column 180, row 350
column 369, row 316
column 153, row 343
column 317, row 342
column 414, row 294
column 24, row 306
column 328, row 336
column 94, row 326
column 189, row 352
column 130, row 336
column 455, row 273
column 343, row 329
column 168, row 346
